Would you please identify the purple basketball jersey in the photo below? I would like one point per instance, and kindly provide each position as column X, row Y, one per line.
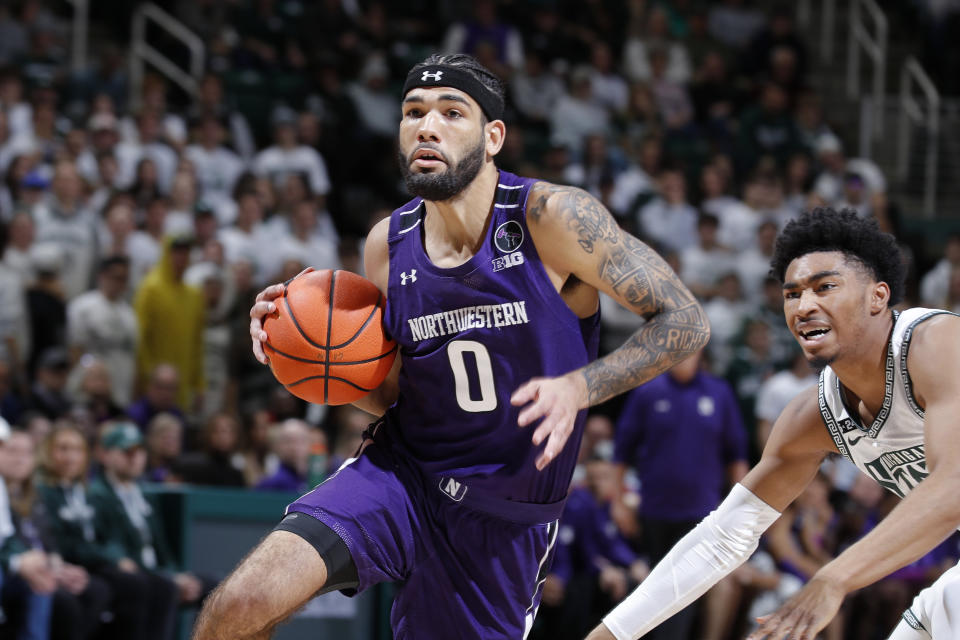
column 469, row 336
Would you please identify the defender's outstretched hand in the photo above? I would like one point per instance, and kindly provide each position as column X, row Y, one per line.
column 262, row 307
column 803, row 615
column 557, row 401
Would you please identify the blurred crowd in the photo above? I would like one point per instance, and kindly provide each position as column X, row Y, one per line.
column 136, row 227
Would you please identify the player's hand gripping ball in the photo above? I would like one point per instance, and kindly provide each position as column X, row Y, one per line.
column 326, row 341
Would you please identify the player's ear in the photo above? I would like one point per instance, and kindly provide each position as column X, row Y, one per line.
column 879, row 297
column 493, row 135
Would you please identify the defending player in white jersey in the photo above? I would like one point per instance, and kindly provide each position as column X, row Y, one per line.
column 887, row 399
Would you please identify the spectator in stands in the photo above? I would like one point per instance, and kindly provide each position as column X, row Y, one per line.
column 45, row 302
column 935, row 285
column 767, row 129
column 212, row 281
column 13, row 312
column 307, row 241
column 210, row 102
column 669, row 220
column 828, row 186
column 90, row 390
column 797, row 181
column 753, row 265
column 770, row 312
column 535, row 90
column 48, row 392
column 636, row 186
column 778, row 390
column 243, row 237
column 715, row 99
column 375, row 103
column 672, row 97
column 703, row 263
column 257, row 458
column 214, row 465
column 733, row 23
column 102, row 323
column 288, row 155
column 752, row 364
column 164, row 445
column 595, row 566
column 161, row 393
column 170, row 316
column 640, row 45
column 172, row 129
column 79, row 598
column 28, row 582
column 291, row 444
column 727, row 311
column 217, row 166
column 11, row 402
column 20, row 237
column 63, row 492
column 802, row 540
column 609, row 88
column 683, row 434
column 183, row 199
column 149, row 144
column 129, row 525
column 599, row 164
column 63, row 221
column 485, row 28
column 576, row 114
column 777, row 39
column 104, row 136
column 104, row 187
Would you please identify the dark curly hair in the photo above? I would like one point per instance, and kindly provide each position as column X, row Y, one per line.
column 471, row 65
column 824, row 229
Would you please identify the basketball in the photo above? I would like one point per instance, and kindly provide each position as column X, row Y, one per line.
column 326, row 341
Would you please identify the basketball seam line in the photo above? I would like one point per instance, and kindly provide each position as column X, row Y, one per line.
column 303, row 333
column 326, row 367
column 363, row 326
column 326, row 379
column 335, row 364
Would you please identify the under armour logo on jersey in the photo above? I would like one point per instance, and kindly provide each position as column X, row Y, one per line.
column 412, row 277
column 428, row 75
column 453, row 488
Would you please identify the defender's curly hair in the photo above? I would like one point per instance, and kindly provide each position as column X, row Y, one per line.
column 825, row 229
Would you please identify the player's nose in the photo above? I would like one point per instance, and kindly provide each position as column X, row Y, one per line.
column 807, row 303
column 428, row 129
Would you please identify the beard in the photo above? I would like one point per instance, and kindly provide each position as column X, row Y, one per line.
column 443, row 185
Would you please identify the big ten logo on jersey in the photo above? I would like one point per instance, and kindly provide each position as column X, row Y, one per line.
column 505, row 262
column 899, row 471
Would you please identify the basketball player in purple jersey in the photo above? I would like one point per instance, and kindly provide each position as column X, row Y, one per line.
column 492, row 284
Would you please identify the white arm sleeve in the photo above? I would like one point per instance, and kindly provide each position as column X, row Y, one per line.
column 724, row 540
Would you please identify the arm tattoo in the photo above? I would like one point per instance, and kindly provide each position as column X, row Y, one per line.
column 676, row 324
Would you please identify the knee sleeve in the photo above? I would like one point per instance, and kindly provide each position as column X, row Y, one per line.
column 341, row 569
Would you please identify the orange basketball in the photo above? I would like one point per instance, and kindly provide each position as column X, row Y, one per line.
column 326, row 341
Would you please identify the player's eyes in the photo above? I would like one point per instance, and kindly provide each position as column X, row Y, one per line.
column 412, row 113
column 791, row 295
column 453, row 113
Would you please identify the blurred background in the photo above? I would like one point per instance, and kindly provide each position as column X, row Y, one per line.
column 160, row 163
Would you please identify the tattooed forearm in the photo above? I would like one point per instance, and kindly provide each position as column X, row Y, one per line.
column 676, row 324
column 665, row 340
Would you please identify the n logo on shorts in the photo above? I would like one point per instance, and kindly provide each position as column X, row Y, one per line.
column 454, row 489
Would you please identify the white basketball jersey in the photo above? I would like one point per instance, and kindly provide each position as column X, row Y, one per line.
column 891, row 449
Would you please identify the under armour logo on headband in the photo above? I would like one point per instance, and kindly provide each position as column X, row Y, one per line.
column 435, row 76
